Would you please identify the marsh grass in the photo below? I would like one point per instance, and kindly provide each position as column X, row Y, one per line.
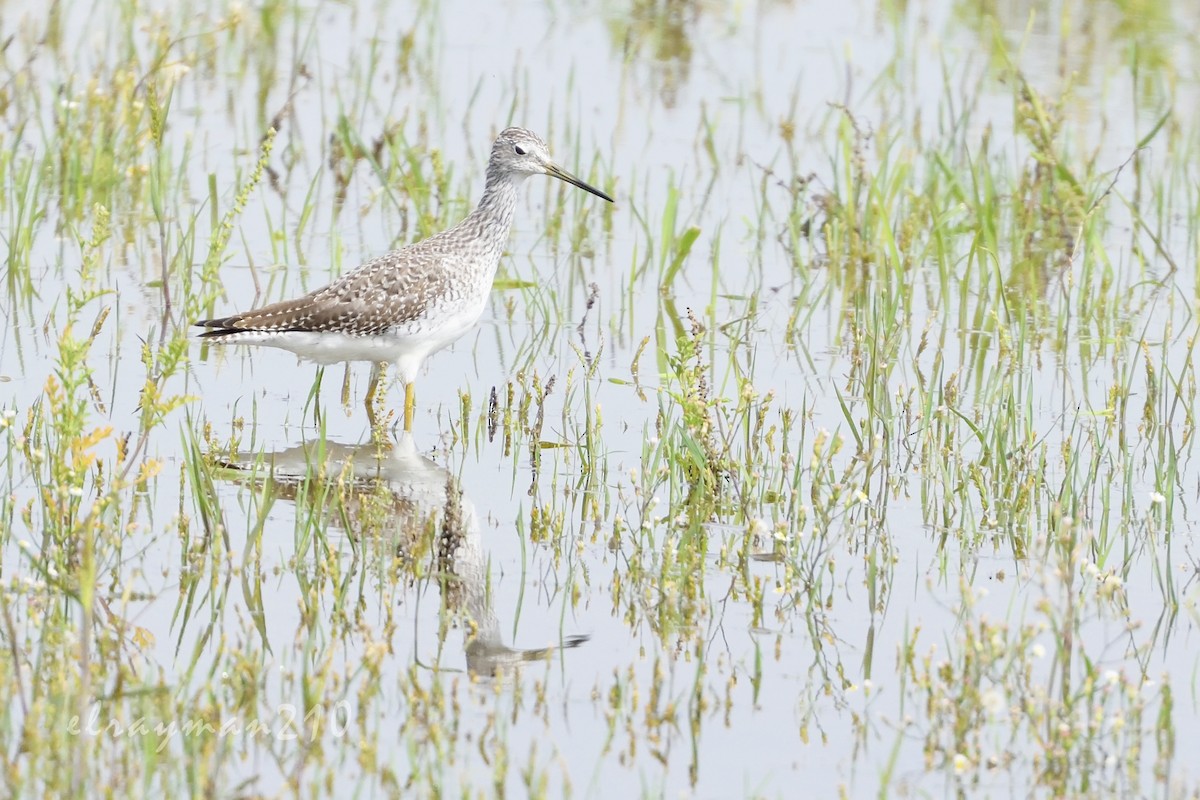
column 778, row 457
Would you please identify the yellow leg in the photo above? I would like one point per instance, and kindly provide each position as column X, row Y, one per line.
column 410, row 405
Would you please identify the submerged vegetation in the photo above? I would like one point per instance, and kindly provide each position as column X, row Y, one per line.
column 854, row 446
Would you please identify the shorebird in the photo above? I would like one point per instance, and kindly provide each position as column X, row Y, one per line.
column 411, row 302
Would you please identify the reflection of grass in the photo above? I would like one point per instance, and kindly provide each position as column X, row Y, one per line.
column 1143, row 34
column 978, row 353
column 658, row 32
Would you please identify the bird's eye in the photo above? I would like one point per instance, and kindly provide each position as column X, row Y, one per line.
column 518, row 149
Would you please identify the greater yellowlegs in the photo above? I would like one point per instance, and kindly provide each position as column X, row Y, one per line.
column 411, row 302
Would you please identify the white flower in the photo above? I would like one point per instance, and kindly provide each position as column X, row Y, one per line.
column 172, row 73
column 993, row 702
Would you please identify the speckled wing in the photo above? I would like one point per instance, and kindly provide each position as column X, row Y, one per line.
column 381, row 294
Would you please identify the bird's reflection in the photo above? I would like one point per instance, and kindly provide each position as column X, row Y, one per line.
column 418, row 496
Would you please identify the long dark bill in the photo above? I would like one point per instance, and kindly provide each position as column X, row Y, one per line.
column 562, row 174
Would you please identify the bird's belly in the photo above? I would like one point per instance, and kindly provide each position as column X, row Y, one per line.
column 442, row 327
column 406, row 345
column 330, row 347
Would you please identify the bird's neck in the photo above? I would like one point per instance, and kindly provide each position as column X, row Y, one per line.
column 492, row 218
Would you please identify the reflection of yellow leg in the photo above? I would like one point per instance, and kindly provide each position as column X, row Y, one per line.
column 410, row 405
column 376, row 369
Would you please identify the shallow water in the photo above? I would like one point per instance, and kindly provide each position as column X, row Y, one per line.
column 780, row 638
